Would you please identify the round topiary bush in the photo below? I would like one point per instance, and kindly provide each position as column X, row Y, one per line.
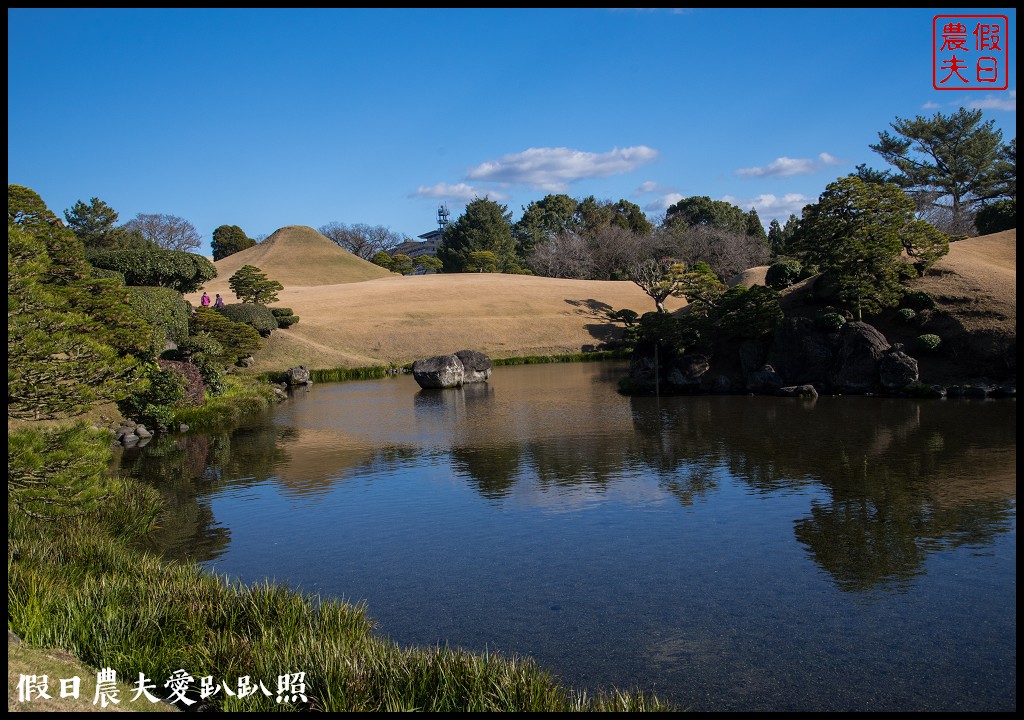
column 830, row 321
column 918, row 300
column 783, row 274
column 281, row 311
column 928, row 342
column 253, row 314
column 906, row 314
column 286, row 321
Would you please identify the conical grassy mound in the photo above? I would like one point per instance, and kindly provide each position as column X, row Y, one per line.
column 297, row 256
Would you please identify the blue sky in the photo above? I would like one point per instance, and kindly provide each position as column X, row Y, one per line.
column 270, row 117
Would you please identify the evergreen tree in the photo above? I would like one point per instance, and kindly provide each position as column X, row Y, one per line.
column 72, row 341
column 251, row 285
column 949, row 160
column 776, row 240
column 543, row 220
column 856, row 234
column 229, row 239
column 485, row 226
column 92, row 223
column 754, row 227
column 703, row 211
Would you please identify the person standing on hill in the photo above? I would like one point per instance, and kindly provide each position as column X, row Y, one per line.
column 205, row 301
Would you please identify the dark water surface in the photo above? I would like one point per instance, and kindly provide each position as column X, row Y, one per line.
column 726, row 553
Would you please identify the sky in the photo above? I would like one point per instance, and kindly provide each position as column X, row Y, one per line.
column 264, row 118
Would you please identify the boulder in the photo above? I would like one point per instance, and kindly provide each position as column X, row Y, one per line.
column 439, row 371
column 764, row 380
column 897, row 370
column 297, row 375
column 801, row 391
column 477, row 366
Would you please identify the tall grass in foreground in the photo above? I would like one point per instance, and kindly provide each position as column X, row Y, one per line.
column 79, row 588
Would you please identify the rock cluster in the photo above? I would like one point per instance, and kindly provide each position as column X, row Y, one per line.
column 802, row 360
column 455, row 370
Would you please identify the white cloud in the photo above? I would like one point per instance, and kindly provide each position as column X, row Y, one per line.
column 647, row 187
column 662, row 203
column 997, row 102
column 786, row 166
column 462, row 191
column 772, row 206
column 930, row 106
column 553, row 169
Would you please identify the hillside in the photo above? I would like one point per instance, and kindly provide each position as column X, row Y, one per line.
column 296, row 255
column 355, row 314
column 399, row 319
column 975, row 291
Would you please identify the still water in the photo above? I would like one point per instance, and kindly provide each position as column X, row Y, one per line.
column 725, row 553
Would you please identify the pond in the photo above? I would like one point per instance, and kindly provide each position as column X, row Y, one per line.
column 724, row 552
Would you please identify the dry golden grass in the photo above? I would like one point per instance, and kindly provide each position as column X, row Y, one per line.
column 977, row 280
column 295, row 256
column 354, row 314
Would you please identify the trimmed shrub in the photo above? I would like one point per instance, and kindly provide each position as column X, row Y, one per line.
column 782, row 274
column 907, row 314
column 281, row 311
column 1000, row 215
column 153, row 404
column 626, row 316
column 918, row 300
column 193, row 389
column 830, row 321
column 108, row 274
column 182, row 271
column 747, row 313
column 203, row 351
column 163, row 308
column 252, row 314
column 238, row 340
column 287, row 321
column 928, row 342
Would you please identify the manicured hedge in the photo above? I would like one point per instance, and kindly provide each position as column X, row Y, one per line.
column 163, row 308
column 253, row 314
column 182, row 271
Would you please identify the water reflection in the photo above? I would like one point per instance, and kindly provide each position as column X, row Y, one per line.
column 743, row 552
column 897, row 478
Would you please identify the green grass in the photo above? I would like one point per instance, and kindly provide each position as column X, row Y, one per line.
column 83, row 586
column 379, row 371
column 568, row 357
column 243, row 396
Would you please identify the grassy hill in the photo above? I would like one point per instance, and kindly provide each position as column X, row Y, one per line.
column 354, row 313
column 296, row 255
column 975, row 292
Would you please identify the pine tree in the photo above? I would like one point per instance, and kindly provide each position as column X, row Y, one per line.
column 251, row 285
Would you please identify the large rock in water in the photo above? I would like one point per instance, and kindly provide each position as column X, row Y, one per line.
column 297, row 375
column 440, row 371
column 477, row 365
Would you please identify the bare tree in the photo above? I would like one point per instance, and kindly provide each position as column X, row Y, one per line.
column 361, row 240
column 169, row 232
column 931, row 208
column 565, row 255
column 616, row 249
column 728, row 253
column 657, row 278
